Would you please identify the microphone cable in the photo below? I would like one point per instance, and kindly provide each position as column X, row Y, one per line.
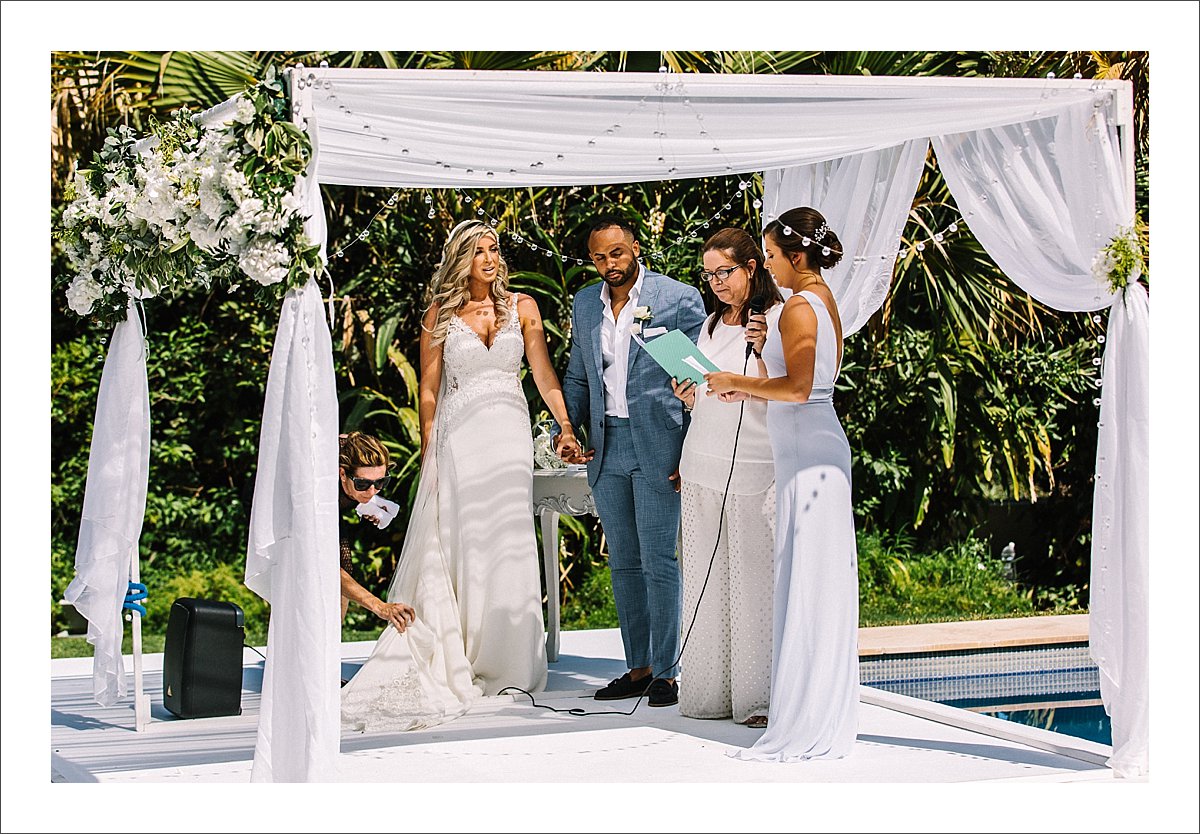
column 579, row 711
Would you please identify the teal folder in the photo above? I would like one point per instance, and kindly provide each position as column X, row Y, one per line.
column 678, row 356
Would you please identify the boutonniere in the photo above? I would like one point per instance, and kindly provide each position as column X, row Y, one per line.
column 640, row 316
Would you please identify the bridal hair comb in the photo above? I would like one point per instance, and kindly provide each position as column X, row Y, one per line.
column 818, row 235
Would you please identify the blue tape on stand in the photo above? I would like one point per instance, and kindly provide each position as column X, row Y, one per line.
column 136, row 591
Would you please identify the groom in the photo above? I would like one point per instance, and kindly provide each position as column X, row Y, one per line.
column 635, row 427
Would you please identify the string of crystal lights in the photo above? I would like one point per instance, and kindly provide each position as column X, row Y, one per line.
column 692, row 233
column 362, row 235
column 1096, row 360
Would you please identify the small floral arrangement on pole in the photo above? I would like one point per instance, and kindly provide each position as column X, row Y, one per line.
column 1121, row 261
column 543, row 446
column 202, row 204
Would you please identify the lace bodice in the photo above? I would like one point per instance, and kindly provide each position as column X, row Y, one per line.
column 473, row 372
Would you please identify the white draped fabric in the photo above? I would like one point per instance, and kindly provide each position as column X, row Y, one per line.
column 1120, row 585
column 291, row 559
column 1043, row 197
column 291, row 554
column 448, row 128
column 114, row 503
column 865, row 199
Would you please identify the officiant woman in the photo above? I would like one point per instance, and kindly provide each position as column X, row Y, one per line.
column 729, row 646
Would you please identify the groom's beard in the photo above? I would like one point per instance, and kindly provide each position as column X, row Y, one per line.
column 615, row 278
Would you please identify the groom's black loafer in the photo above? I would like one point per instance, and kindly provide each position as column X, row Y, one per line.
column 662, row 693
column 623, row 687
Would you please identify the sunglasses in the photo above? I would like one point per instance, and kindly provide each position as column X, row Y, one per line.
column 363, row 484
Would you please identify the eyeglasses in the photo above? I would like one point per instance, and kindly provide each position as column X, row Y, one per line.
column 719, row 274
column 363, row 484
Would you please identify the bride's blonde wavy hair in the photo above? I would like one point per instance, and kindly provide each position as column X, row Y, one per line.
column 448, row 287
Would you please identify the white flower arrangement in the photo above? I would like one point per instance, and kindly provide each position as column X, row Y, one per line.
column 543, row 447
column 642, row 314
column 1121, row 261
column 203, row 204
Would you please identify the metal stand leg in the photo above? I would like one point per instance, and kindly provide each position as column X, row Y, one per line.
column 549, row 520
column 141, row 703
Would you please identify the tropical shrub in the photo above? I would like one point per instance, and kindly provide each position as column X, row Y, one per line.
column 963, row 581
column 222, row 583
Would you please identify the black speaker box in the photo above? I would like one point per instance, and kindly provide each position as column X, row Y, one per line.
column 202, row 660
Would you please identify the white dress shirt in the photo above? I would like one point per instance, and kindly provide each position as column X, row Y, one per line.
column 614, row 347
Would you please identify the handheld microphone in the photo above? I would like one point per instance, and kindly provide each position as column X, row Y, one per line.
column 758, row 306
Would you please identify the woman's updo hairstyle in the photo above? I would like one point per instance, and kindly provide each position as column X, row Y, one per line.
column 803, row 229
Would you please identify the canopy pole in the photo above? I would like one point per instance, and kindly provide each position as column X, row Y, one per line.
column 141, row 702
column 1125, row 131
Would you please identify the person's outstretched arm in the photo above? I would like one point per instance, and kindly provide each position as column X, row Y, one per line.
column 576, row 394
column 544, row 377
column 431, row 375
column 396, row 613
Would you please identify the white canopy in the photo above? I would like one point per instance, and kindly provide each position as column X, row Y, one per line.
column 456, row 128
column 1041, row 168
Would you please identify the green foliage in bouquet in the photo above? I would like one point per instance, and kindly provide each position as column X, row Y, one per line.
column 191, row 206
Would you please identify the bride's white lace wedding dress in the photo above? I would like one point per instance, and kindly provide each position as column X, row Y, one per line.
column 469, row 564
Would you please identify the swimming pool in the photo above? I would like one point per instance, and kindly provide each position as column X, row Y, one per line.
column 1053, row 687
column 1079, row 714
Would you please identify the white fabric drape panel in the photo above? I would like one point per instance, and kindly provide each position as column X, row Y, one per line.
column 446, row 128
column 1120, row 583
column 1043, row 198
column 291, row 558
column 114, row 503
column 865, row 199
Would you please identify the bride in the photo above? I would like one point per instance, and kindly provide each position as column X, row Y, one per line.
column 469, row 562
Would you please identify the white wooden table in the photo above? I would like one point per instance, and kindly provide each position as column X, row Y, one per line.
column 557, row 492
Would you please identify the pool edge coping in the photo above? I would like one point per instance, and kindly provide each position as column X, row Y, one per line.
column 1080, row 749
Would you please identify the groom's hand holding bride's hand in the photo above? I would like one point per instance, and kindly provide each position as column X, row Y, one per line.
column 567, row 447
column 396, row 613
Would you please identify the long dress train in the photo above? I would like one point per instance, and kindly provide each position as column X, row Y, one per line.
column 814, row 676
column 469, row 565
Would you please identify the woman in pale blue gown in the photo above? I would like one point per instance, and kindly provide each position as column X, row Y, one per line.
column 814, row 676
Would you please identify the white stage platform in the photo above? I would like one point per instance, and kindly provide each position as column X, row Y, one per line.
column 505, row 739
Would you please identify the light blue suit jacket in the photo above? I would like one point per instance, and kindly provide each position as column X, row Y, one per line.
column 656, row 417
